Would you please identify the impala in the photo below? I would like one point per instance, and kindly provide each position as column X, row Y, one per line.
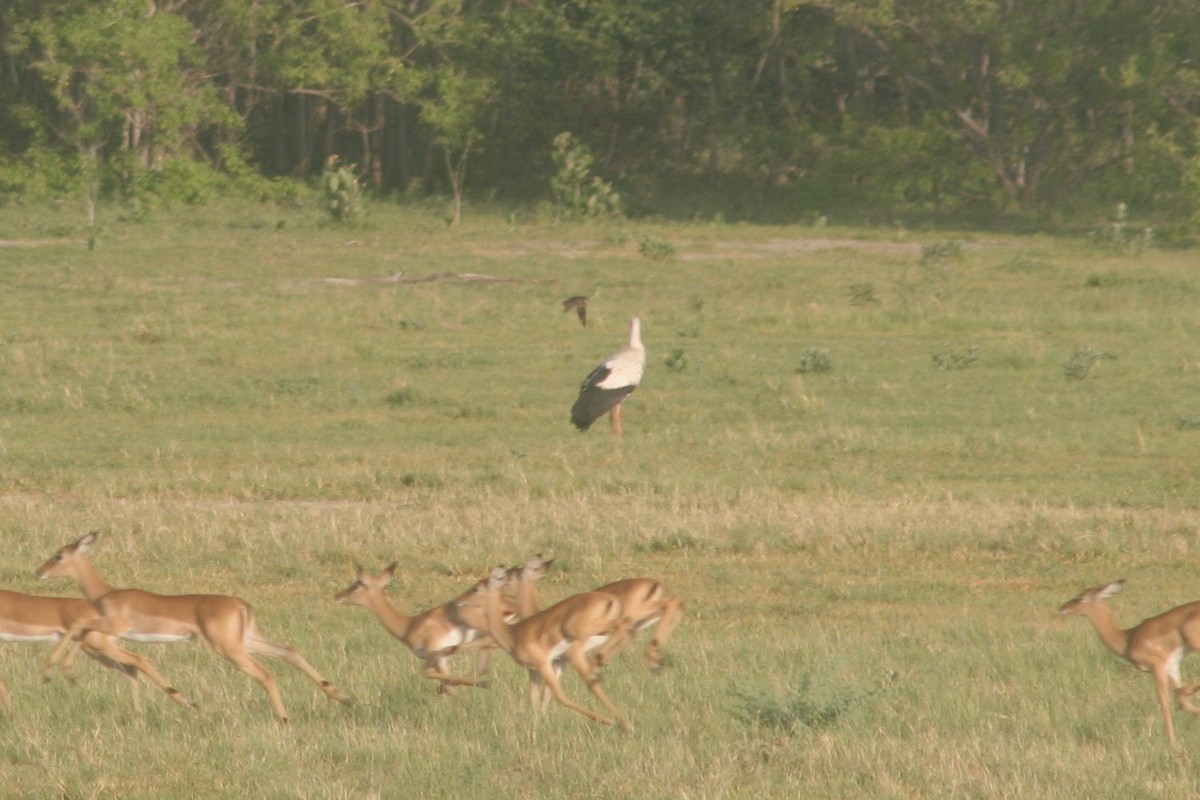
column 523, row 578
column 433, row 635
column 30, row 618
column 644, row 600
column 1155, row 645
column 470, row 616
column 564, row 632
column 226, row 623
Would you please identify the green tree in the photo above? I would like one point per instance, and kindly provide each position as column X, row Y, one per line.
column 120, row 95
column 1047, row 95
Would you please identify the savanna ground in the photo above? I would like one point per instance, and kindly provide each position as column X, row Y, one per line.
column 873, row 462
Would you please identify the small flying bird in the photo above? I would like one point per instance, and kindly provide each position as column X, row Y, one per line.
column 610, row 383
column 579, row 304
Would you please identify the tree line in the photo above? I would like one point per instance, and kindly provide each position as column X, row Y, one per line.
column 1000, row 105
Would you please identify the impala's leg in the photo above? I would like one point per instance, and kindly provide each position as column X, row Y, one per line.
column 105, row 649
column 125, row 671
column 617, row 642
column 68, row 645
column 1183, row 695
column 537, row 690
column 60, row 649
column 68, row 661
column 672, row 613
column 621, row 633
column 435, row 668
column 474, row 644
column 579, row 660
column 551, row 679
column 539, row 693
column 5, row 699
column 246, row 663
column 256, row 644
column 1162, row 684
column 547, row 695
column 483, row 656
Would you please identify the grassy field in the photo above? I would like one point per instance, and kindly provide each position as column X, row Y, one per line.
column 873, row 462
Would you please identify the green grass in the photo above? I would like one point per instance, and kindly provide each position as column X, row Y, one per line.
column 246, row 400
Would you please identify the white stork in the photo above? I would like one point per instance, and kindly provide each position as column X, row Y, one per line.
column 610, row 383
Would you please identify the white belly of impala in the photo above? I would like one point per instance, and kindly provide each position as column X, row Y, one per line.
column 14, row 637
column 595, row 641
column 155, row 638
column 557, row 651
column 453, row 638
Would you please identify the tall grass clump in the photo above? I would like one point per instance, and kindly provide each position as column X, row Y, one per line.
column 803, row 706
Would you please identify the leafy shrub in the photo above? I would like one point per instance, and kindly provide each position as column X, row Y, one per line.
column 863, row 294
column 817, row 359
column 401, row 396
column 1024, row 263
column 803, row 708
column 1098, row 281
column 577, row 193
column 656, row 248
column 950, row 359
column 1081, row 362
column 676, row 361
column 341, row 192
column 1117, row 237
column 936, row 252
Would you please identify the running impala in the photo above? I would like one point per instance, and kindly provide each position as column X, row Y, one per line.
column 432, row 635
column 225, row 623
column 32, row 618
column 564, row 632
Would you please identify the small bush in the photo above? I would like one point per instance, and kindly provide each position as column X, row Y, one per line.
column 1117, row 236
column 676, row 361
column 1105, row 281
column 1081, row 362
column 1024, row 264
column 863, row 294
column 803, row 708
column 936, row 252
column 951, row 360
column 401, row 396
column 817, row 359
column 656, row 248
column 341, row 192
column 577, row 193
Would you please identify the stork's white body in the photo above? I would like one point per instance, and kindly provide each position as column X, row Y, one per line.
column 610, row 383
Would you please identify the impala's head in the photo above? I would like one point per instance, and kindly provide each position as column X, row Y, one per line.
column 471, row 605
column 1089, row 598
column 470, row 602
column 61, row 562
column 535, row 568
column 497, row 580
column 531, row 570
column 365, row 583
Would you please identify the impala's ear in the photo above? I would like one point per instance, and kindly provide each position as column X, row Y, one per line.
column 86, row 541
column 390, row 572
column 536, row 567
column 1111, row 589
